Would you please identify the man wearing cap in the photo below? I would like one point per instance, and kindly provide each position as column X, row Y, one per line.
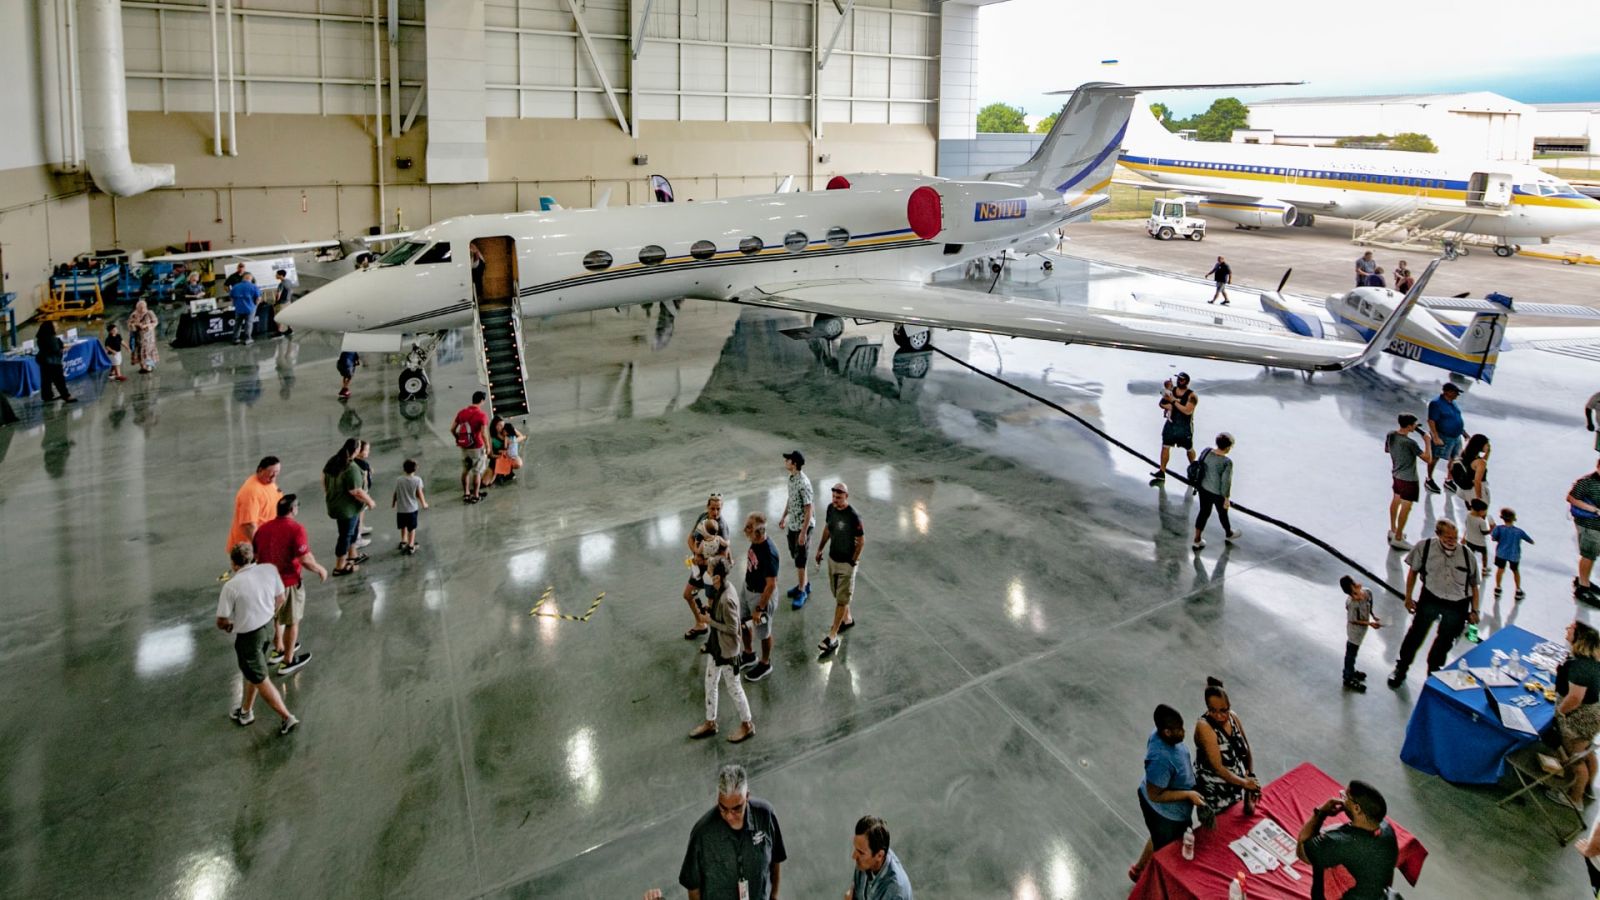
column 796, row 522
column 1449, row 575
column 1583, row 500
column 1445, row 428
column 843, row 528
column 1177, row 404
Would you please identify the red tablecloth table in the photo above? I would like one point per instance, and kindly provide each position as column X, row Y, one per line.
column 1288, row 800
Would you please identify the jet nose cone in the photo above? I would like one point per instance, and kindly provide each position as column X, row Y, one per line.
column 322, row 309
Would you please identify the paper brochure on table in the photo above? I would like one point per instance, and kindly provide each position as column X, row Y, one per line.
column 1265, row 847
column 1456, row 680
column 1494, row 677
column 1514, row 718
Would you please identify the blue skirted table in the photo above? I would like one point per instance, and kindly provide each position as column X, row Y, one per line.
column 19, row 374
column 1456, row 736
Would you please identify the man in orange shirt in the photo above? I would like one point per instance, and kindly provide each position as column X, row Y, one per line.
column 256, row 502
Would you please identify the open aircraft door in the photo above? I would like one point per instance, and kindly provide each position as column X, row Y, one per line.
column 1490, row 189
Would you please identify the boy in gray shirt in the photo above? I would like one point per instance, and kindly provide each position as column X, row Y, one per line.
column 409, row 499
column 1358, row 619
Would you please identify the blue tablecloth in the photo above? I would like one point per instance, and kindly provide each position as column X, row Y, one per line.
column 19, row 375
column 1455, row 735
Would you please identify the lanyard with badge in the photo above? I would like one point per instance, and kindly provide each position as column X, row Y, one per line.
column 738, row 866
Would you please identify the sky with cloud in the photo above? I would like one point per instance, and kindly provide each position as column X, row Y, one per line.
column 1030, row 47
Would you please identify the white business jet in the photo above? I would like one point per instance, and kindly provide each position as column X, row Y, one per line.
column 864, row 250
column 1276, row 186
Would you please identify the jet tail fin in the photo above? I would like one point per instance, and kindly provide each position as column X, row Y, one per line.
column 1080, row 151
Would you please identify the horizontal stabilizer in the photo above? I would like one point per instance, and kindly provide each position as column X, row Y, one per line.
column 1463, row 304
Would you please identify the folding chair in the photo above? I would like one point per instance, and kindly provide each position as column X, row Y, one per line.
column 1537, row 766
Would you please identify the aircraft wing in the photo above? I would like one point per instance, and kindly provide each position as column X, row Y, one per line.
column 1218, row 197
column 273, row 250
column 918, row 304
column 1578, row 343
column 1467, row 304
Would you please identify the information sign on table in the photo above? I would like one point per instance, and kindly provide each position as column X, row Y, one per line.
column 1462, row 735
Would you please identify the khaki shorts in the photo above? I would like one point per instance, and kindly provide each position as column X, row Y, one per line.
column 474, row 460
column 294, row 606
column 842, row 579
column 1588, row 542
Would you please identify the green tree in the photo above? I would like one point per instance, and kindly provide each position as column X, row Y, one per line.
column 1000, row 118
column 1378, row 141
column 1416, row 143
column 1047, row 123
column 1163, row 114
column 1218, row 123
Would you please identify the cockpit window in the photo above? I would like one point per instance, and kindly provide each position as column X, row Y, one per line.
column 438, row 253
column 399, row 255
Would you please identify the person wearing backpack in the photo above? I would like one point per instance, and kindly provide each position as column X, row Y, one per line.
column 470, row 430
column 1212, row 475
column 1449, row 575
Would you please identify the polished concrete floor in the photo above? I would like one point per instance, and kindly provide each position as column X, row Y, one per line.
column 1025, row 599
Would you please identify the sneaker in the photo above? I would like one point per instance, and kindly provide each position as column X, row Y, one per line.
column 294, row 665
column 344, row 395
column 704, row 729
column 275, row 656
column 1360, row 675
column 1498, row 592
column 1520, row 595
column 800, row 598
column 1400, row 544
column 366, row 530
column 758, row 671
column 1355, row 685
column 1198, row 546
column 1234, row 535
column 1431, row 485
column 746, row 660
column 363, row 542
column 794, row 592
column 1159, row 475
column 288, row 725
column 1395, row 679
column 241, row 716
column 1450, row 485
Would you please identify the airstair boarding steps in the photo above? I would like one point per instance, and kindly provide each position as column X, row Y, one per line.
column 500, row 337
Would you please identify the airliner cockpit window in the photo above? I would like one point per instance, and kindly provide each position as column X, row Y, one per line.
column 438, row 253
column 399, row 255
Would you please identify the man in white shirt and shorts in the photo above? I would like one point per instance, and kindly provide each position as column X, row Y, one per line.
column 246, row 609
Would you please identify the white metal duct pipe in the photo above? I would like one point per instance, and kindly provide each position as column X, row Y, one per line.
column 74, row 106
column 105, row 105
column 394, row 68
column 233, row 134
column 53, row 79
column 377, row 113
column 216, row 84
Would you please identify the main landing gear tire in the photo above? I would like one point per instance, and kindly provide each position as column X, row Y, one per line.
column 1164, row 233
column 413, row 384
column 1503, row 251
column 827, row 327
column 1048, row 265
column 914, row 339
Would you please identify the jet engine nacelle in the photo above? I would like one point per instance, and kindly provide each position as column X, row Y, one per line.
column 877, row 181
column 1263, row 214
column 968, row 212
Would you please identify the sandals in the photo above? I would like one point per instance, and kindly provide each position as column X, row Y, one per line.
column 697, row 631
column 846, row 626
column 346, row 571
column 361, row 558
column 828, row 645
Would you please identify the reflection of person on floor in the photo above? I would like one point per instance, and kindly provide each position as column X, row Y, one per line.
column 477, row 270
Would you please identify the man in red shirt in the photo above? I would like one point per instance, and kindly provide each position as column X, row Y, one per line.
column 282, row 543
column 471, row 431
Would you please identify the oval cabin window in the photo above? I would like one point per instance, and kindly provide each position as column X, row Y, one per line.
column 750, row 246
column 703, row 250
column 597, row 261
column 652, row 255
column 795, row 241
column 838, row 237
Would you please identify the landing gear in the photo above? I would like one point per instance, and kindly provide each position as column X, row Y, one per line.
column 827, row 327
column 1048, row 265
column 1505, row 250
column 413, row 375
column 911, row 364
column 912, row 338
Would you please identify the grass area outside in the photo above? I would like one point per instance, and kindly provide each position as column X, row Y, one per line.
column 1128, row 202
column 1581, row 167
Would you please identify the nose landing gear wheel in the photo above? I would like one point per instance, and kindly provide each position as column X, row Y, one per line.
column 413, row 384
column 913, row 338
column 1503, row 251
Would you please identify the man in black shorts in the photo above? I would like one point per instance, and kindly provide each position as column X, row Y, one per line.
column 1177, row 404
column 1223, row 274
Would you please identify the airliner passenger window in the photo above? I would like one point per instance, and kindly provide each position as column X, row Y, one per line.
column 795, row 241
column 399, row 255
column 438, row 253
column 751, row 245
column 838, row 237
column 597, row 261
column 703, row 250
column 652, row 255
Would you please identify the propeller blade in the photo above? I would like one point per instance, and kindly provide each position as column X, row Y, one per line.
column 1285, row 279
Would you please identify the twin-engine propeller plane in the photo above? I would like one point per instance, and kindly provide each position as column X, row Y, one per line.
column 864, row 250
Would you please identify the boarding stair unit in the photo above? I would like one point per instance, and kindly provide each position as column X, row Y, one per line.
column 1421, row 224
column 501, row 365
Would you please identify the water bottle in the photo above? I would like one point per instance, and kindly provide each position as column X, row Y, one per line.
column 1461, row 664
column 1236, row 889
column 1516, row 664
column 1472, row 634
column 1188, row 844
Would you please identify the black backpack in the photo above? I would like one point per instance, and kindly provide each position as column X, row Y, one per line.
column 1197, row 469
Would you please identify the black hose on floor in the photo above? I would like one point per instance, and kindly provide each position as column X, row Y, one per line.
column 1295, row 530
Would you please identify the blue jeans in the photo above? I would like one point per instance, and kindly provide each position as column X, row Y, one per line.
column 348, row 533
column 244, row 325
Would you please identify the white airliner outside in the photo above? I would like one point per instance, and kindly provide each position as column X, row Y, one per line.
column 864, row 250
column 1276, row 186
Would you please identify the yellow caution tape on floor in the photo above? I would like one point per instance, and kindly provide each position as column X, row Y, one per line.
column 549, row 592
